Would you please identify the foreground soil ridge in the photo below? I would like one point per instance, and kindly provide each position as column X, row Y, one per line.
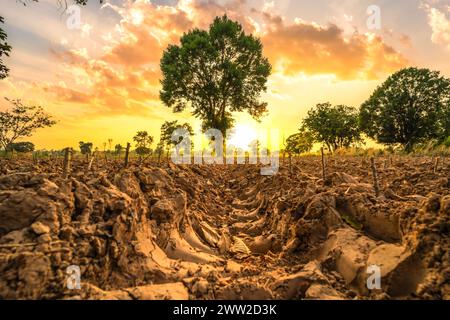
column 225, row 232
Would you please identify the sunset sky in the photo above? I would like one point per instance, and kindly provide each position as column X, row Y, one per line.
column 101, row 81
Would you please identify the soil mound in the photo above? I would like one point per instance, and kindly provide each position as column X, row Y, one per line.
column 216, row 232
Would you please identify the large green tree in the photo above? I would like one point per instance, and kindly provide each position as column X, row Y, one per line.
column 335, row 126
column 216, row 72
column 411, row 106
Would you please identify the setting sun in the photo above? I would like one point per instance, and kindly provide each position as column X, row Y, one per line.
column 242, row 136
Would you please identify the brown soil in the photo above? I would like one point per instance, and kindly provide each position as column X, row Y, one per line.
column 215, row 232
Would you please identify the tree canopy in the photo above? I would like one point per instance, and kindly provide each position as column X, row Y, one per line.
column 85, row 147
column 215, row 72
column 21, row 147
column 335, row 126
column 118, row 148
column 412, row 105
column 299, row 143
column 143, row 142
column 21, row 121
column 169, row 127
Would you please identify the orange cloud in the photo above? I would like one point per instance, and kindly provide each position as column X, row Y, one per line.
column 112, row 89
column 124, row 77
column 147, row 29
column 314, row 49
column 68, row 95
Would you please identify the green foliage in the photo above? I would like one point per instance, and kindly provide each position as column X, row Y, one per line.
column 143, row 142
column 335, row 126
column 168, row 128
column 216, row 72
column 411, row 106
column 142, row 151
column 85, row 147
column 299, row 143
column 21, row 147
column 446, row 142
column 21, row 121
column 5, row 49
column 444, row 118
column 118, row 149
column 159, row 148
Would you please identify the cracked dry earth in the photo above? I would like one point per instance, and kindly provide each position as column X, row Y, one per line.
column 215, row 232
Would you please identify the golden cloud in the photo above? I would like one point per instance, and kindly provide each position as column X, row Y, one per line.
column 124, row 79
column 112, row 89
column 314, row 49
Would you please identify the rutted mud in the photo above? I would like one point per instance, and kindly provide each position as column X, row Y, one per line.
column 216, row 232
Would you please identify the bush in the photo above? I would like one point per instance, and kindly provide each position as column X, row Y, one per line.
column 21, row 147
column 447, row 142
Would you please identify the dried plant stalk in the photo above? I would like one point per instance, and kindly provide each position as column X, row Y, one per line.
column 127, row 154
column 324, row 174
column 436, row 165
column 66, row 165
column 376, row 186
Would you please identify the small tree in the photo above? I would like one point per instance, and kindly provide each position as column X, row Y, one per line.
column 412, row 105
column 335, row 126
column 216, row 72
column 86, row 148
column 167, row 129
column 159, row 149
column 21, row 121
column 110, row 141
column 118, row 149
column 143, row 142
column 255, row 146
column 299, row 143
column 143, row 151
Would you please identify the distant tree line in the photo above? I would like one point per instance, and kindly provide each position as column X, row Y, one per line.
column 144, row 141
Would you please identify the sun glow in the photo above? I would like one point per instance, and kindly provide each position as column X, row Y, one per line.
column 242, row 136
column 137, row 17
